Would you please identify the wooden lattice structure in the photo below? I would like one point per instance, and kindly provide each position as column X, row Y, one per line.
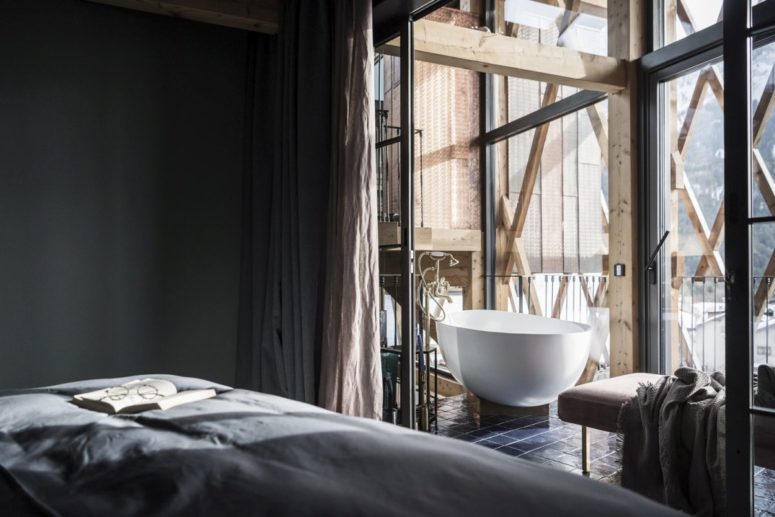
column 709, row 236
column 709, row 232
column 513, row 258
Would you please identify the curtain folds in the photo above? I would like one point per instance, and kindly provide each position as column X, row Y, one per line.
column 351, row 379
column 309, row 292
column 285, row 206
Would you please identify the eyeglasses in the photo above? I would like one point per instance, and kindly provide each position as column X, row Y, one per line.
column 144, row 391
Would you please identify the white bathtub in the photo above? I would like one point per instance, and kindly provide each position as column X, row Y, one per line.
column 513, row 359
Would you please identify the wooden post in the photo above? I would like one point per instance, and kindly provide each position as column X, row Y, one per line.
column 626, row 40
column 473, row 295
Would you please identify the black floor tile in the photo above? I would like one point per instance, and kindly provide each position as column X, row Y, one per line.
column 557, row 444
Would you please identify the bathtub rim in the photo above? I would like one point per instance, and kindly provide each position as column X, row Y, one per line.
column 580, row 328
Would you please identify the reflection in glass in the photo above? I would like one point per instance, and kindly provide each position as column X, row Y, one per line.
column 763, row 131
column 682, row 18
column 584, row 29
column 693, row 307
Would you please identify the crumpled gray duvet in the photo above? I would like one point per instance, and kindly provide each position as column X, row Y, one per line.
column 247, row 453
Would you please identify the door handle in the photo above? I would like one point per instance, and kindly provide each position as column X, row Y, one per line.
column 651, row 265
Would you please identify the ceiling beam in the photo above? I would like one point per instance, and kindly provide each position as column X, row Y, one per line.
column 484, row 52
column 251, row 15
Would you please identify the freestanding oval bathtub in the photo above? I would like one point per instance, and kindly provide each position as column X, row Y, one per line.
column 513, row 359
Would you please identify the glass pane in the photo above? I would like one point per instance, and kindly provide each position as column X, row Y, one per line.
column 447, row 177
column 684, row 17
column 560, row 271
column 693, row 317
column 763, row 289
column 584, row 28
column 387, row 97
column 524, row 96
column 763, row 159
column 387, row 93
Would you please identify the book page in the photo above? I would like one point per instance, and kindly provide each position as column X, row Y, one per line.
column 137, row 392
column 185, row 397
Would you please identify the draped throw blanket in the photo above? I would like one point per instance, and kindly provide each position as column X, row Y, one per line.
column 351, row 381
column 309, row 291
column 673, row 450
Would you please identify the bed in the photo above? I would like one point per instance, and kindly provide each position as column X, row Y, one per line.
column 248, row 453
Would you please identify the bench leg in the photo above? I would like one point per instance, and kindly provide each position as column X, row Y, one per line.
column 585, row 449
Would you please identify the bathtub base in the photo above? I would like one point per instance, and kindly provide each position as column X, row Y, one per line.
column 487, row 407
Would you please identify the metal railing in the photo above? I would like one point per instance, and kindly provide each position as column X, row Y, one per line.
column 567, row 296
column 698, row 313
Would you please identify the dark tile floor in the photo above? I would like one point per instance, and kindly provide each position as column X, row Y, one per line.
column 542, row 439
column 557, row 444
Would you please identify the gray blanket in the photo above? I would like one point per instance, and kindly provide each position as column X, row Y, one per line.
column 250, row 454
column 673, row 450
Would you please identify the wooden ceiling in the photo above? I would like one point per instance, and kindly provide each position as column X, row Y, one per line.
column 253, row 15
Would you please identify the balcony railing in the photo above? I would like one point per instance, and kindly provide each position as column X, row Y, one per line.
column 570, row 297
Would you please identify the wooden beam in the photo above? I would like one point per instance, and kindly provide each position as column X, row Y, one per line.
column 517, row 253
column 626, row 40
column 764, row 108
column 686, row 18
column 561, row 295
column 473, row 295
column 485, row 52
column 528, row 285
column 585, row 291
column 517, row 225
column 696, row 100
column 714, row 81
column 701, row 230
column 601, row 296
column 447, row 239
column 599, row 126
column 686, row 351
column 763, row 179
column 438, row 239
column 714, row 240
column 251, row 15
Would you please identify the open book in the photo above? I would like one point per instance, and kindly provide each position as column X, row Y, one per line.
column 139, row 395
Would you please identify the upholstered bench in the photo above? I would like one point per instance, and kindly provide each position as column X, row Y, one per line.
column 597, row 405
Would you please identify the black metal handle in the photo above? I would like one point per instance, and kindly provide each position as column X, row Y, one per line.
column 651, row 264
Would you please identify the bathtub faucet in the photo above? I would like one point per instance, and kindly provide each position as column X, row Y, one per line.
column 438, row 288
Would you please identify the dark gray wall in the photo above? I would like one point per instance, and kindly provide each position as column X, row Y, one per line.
column 121, row 141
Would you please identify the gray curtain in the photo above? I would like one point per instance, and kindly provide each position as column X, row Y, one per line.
column 309, row 295
column 351, row 380
column 285, row 205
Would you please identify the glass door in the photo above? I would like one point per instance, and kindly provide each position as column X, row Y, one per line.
column 691, row 214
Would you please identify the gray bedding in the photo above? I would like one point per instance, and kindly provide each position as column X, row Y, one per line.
column 247, row 453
